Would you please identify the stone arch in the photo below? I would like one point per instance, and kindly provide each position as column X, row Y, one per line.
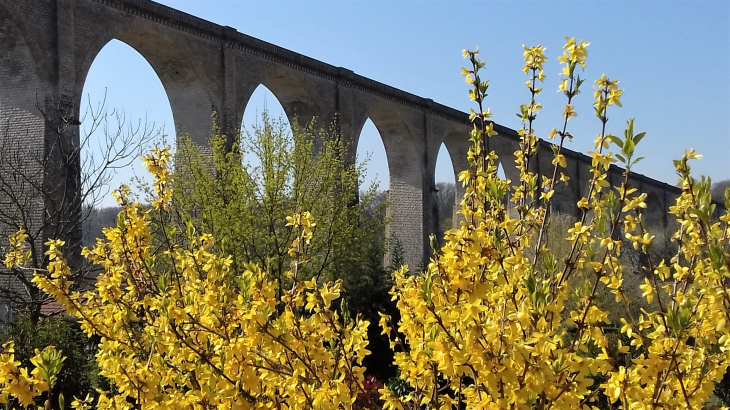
column 191, row 100
column 295, row 97
column 121, row 82
column 505, row 146
column 457, row 145
column 406, row 170
column 253, row 112
column 400, row 144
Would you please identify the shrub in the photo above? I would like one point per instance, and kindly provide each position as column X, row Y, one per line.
column 264, row 175
column 79, row 374
column 486, row 326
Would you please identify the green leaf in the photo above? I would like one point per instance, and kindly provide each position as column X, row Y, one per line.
column 434, row 243
column 637, row 160
column 616, row 140
column 531, row 283
column 629, row 129
column 189, row 229
column 622, row 159
column 628, row 149
column 716, row 255
column 638, row 137
column 161, row 283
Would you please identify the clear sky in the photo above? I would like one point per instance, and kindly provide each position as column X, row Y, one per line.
column 670, row 57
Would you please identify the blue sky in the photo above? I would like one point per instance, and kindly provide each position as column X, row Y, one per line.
column 670, row 57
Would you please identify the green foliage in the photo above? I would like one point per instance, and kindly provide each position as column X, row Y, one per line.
column 266, row 174
column 445, row 201
column 627, row 145
column 720, row 191
column 77, row 374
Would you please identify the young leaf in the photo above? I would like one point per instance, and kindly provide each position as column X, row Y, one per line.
column 616, row 140
column 638, row 137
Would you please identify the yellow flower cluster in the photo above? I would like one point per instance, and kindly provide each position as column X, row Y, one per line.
column 574, row 54
column 486, row 326
column 157, row 164
column 16, row 255
column 179, row 331
column 304, row 223
column 16, row 383
column 607, row 93
column 534, row 59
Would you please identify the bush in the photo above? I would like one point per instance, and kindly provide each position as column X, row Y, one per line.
column 79, row 375
column 487, row 325
column 266, row 174
column 270, row 172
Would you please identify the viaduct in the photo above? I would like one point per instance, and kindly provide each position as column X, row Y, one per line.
column 47, row 47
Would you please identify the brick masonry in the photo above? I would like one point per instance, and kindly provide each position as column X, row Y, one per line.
column 47, row 47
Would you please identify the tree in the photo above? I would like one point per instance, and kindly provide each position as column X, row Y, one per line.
column 99, row 218
column 445, row 201
column 267, row 174
column 55, row 204
column 485, row 325
column 718, row 190
column 79, row 374
column 270, row 172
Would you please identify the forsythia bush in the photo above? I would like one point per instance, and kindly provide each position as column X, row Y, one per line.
column 486, row 326
column 17, row 383
column 178, row 331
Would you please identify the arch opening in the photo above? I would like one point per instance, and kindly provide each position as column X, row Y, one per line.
column 124, row 108
column 189, row 96
column 263, row 114
column 371, row 152
column 500, row 171
column 293, row 100
column 373, row 182
column 456, row 146
column 446, row 193
column 404, row 161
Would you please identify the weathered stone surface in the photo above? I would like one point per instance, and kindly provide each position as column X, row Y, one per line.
column 47, row 47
